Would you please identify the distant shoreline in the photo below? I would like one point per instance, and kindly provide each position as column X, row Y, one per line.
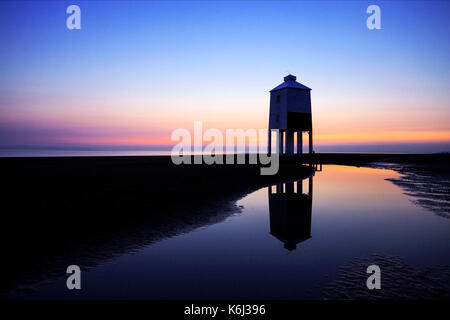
column 324, row 157
column 84, row 151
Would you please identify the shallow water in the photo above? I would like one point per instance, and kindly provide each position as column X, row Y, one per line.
column 290, row 243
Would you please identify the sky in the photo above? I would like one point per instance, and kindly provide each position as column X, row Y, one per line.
column 137, row 70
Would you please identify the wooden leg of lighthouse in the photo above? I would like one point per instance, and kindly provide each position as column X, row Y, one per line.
column 290, row 143
column 300, row 186
column 278, row 141
column 310, row 142
column 299, row 142
column 281, row 141
column 269, row 143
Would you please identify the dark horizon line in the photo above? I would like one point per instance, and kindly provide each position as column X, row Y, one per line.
column 444, row 147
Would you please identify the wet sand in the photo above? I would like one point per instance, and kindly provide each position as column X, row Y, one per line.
column 428, row 184
column 399, row 280
column 91, row 209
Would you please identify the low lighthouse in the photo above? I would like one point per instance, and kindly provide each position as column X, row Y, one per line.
column 290, row 113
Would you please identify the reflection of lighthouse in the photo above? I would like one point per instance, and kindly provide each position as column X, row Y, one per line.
column 290, row 212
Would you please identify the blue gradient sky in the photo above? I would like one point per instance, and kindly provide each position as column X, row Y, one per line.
column 138, row 70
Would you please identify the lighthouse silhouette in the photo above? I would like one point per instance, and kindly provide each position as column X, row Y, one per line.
column 290, row 113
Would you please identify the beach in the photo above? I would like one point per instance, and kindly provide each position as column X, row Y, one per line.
column 93, row 209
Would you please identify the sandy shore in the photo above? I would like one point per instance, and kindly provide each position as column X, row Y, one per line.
column 95, row 208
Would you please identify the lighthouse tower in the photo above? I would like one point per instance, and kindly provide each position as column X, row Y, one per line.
column 290, row 112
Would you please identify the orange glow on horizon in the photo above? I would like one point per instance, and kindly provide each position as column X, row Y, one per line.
column 319, row 139
column 383, row 137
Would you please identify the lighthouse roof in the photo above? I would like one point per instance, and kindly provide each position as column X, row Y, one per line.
column 290, row 82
